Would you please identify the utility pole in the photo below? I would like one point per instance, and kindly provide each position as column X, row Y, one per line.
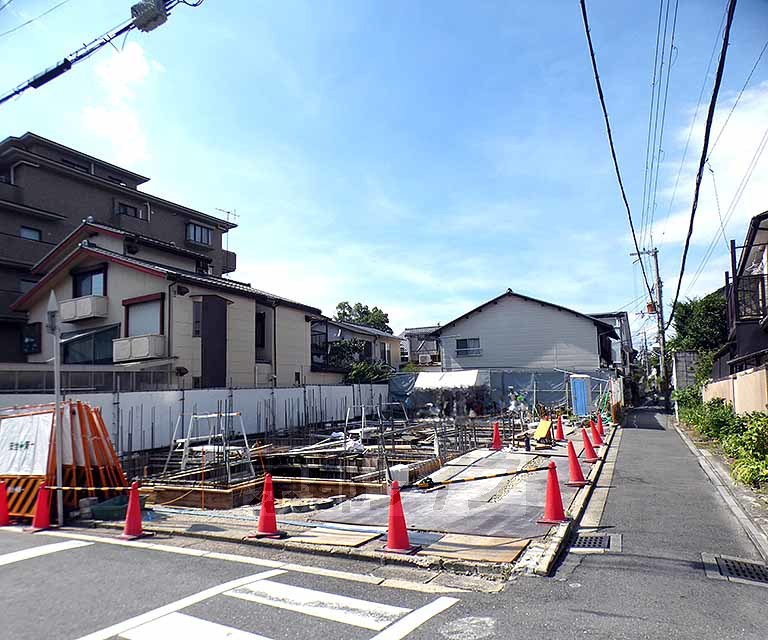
column 659, row 310
column 53, row 329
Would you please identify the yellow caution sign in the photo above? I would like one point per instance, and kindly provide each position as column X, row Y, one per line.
column 542, row 431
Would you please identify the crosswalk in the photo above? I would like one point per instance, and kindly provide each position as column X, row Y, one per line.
column 264, row 605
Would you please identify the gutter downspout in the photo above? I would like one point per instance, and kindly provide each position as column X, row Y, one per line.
column 274, row 344
column 169, row 324
column 16, row 164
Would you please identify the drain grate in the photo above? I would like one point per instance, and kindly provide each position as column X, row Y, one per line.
column 742, row 569
column 591, row 541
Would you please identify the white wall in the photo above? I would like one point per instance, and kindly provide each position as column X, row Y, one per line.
column 143, row 420
column 518, row 333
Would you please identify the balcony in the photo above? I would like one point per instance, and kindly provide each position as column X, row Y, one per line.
column 229, row 264
column 83, row 308
column 138, row 348
column 11, row 192
column 14, row 248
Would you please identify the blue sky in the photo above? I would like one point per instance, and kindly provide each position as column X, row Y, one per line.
column 422, row 157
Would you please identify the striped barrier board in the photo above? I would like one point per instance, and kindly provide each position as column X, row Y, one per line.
column 22, row 494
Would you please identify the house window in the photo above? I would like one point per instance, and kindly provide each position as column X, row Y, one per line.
column 125, row 209
column 31, row 338
column 144, row 318
column 468, row 347
column 90, row 347
column 89, row 283
column 30, row 233
column 197, row 318
column 261, row 330
column 199, row 234
column 25, row 285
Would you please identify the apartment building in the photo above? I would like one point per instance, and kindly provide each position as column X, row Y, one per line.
column 48, row 189
column 127, row 299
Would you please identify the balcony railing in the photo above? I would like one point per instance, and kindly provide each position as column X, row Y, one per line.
column 83, row 308
column 749, row 302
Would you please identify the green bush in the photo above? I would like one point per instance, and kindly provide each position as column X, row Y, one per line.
column 717, row 420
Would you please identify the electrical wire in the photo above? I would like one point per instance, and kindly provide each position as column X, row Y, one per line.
column 652, row 205
column 761, row 146
column 6, row 4
column 31, row 20
column 705, row 147
column 610, row 138
column 738, row 97
column 693, row 123
column 717, row 204
column 648, row 146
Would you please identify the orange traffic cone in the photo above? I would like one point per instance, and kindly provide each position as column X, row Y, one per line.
column 553, row 503
column 5, row 519
column 589, row 450
column 559, row 435
column 267, row 520
column 397, row 531
column 600, row 425
column 133, row 529
column 42, row 517
column 596, row 439
column 496, row 444
column 575, row 475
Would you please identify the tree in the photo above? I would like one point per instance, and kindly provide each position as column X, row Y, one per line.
column 700, row 324
column 361, row 314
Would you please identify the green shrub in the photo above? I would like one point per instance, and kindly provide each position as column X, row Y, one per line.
column 750, row 471
column 716, row 419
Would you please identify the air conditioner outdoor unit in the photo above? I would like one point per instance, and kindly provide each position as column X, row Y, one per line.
column 425, row 358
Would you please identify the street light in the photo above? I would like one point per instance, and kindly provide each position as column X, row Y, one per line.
column 53, row 329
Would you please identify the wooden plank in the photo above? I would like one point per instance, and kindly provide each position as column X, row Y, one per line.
column 334, row 537
column 479, row 548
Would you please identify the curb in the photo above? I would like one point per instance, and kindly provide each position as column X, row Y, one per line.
column 488, row 570
column 577, row 507
column 723, row 484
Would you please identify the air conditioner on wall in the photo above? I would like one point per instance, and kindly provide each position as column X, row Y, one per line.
column 425, row 358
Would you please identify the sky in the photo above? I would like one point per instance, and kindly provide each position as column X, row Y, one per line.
column 422, row 157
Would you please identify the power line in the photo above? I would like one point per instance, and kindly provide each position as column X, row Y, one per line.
column 705, row 146
column 738, row 97
column 717, row 204
column 610, row 137
column 693, row 123
column 652, row 204
column 139, row 21
column 5, row 4
column 648, row 146
column 31, row 20
column 761, row 146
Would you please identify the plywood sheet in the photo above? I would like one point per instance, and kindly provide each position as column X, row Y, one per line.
column 333, row 537
column 478, row 548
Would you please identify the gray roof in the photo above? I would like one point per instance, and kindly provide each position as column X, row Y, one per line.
column 360, row 328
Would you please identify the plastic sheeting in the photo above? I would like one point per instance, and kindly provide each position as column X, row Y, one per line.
column 24, row 444
column 452, row 379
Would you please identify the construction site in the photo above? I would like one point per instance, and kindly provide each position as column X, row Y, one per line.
column 471, row 486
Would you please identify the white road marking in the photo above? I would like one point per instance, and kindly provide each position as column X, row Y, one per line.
column 415, row 619
column 180, row 625
column 144, row 618
column 260, row 562
column 34, row 552
column 330, row 606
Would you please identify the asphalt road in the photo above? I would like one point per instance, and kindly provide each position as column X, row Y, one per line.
column 660, row 501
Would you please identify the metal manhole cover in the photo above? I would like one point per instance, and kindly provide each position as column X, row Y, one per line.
column 591, row 542
column 742, row 569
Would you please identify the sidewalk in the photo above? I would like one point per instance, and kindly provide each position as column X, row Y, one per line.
column 668, row 513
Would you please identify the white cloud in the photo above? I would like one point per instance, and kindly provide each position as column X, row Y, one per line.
column 115, row 116
column 730, row 161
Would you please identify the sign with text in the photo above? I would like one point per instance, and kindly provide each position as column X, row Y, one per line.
column 24, row 444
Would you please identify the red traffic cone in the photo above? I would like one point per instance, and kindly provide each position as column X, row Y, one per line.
column 575, row 475
column 559, row 435
column 596, row 439
column 397, row 531
column 42, row 517
column 5, row 519
column 589, row 450
column 267, row 520
column 133, row 529
column 553, row 503
column 496, row 444
column 600, row 425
